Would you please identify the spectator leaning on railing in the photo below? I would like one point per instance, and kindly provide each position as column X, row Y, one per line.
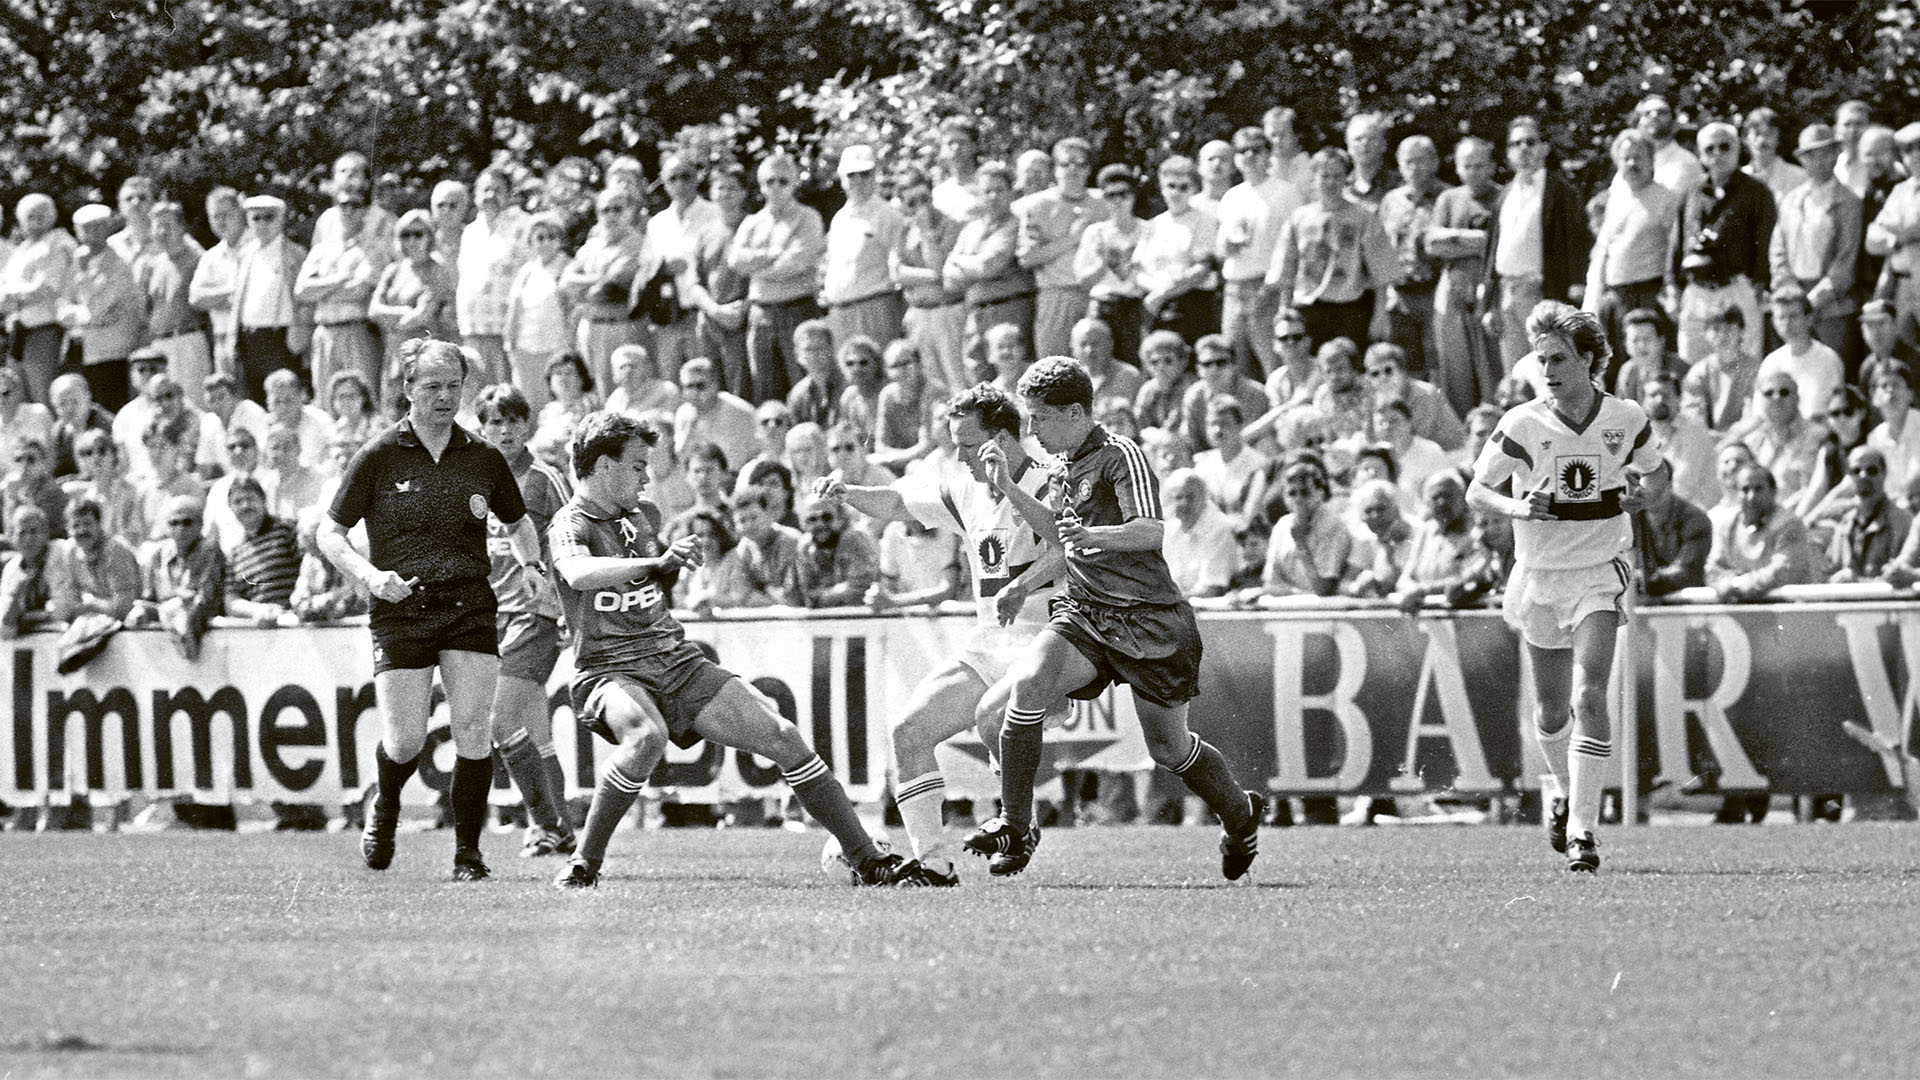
column 1760, row 548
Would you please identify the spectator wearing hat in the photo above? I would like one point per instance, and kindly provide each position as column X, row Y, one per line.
column 35, row 277
column 271, row 328
column 1537, row 247
column 1726, row 228
column 984, row 263
column 858, row 288
column 1251, row 214
column 217, row 274
column 1880, row 334
column 1816, row 238
column 103, row 308
column 1894, row 233
column 1052, row 221
column 1761, row 132
column 1104, row 264
column 1816, row 369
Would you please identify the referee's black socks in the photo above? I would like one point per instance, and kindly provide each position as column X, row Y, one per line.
column 393, row 776
column 472, row 780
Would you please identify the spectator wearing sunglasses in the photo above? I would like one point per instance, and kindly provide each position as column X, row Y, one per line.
column 1872, row 532
column 1726, row 227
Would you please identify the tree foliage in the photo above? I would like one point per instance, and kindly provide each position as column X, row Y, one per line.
column 264, row 93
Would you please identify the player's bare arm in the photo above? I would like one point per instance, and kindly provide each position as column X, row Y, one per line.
column 1037, row 515
column 1535, row 507
column 1047, row 568
column 331, row 538
column 879, row 503
column 583, row 572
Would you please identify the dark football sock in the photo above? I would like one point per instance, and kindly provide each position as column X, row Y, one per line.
column 393, row 776
column 472, row 780
column 1206, row 774
column 556, row 784
column 611, row 800
column 530, row 776
column 813, row 784
column 1021, row 740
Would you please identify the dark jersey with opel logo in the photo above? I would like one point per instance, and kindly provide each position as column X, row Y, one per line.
column 616, row 624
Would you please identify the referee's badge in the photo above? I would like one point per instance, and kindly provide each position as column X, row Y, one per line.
column 478, row 505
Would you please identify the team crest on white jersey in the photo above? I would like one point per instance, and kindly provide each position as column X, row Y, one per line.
column 1615, row 438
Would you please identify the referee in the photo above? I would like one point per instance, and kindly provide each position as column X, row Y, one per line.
column 424, row 489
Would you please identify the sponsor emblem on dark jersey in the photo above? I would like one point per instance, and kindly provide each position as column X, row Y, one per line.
column 1615, row 438
column 477, row 504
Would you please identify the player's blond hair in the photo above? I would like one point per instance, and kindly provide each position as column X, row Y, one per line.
column 1581, row 330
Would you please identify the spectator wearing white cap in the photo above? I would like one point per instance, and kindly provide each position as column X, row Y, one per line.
column 1052, row 220
column 1816, row 238
column 34, row 277
column 1895, row 234
column 271, row 329
column 1726, row 228
column 861, row 297
column 103, row 308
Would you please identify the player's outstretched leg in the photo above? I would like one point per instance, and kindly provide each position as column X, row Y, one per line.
column 1052, row 668
column 1204, row 770
column 623, row 707
column 1592, row 744
column 1552, row 727
column 941, row 707
column 741, row 717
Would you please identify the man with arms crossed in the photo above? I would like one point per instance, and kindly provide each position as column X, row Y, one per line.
column 1121, row 619
column 615, row 577
column 1013, row 574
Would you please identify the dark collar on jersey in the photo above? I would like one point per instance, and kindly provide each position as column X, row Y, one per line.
column 596, row 509
column 1095, row 439
column 1579, row 427
column 406, row 436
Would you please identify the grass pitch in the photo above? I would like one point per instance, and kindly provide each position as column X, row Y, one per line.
column 1468, row 952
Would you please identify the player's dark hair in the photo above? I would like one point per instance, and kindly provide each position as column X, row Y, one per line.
column 419, row 351
column 502, row 401
column 605, row 435
column 1057, row 383
column 1645, row 317
column 988, row 404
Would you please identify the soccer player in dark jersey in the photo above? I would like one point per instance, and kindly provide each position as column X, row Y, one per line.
column 615, row 576
column 1122, row 620
column 424, row 488
column 529, row 628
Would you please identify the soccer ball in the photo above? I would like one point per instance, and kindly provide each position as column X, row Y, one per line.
column 834, row 862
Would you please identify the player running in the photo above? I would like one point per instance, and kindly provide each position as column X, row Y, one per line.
column 1574, row 457
column 529, row 628
column 1121, row 620
column 425, row 488
column 1014, row 572
column 629, row 654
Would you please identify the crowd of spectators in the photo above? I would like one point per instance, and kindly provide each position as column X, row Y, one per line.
column 1311, row 346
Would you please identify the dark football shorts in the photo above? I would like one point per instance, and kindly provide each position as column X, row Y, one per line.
column 529, row 645
column 1154, row 649
column 456, row 615
column 681, row 681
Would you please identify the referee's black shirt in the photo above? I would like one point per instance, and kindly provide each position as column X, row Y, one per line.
column 428, row 519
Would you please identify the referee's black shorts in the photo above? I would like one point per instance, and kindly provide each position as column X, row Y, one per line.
column 452, row 615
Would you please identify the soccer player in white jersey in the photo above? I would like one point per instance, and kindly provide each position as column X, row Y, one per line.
column 1574, row 458
column 1014, row 573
